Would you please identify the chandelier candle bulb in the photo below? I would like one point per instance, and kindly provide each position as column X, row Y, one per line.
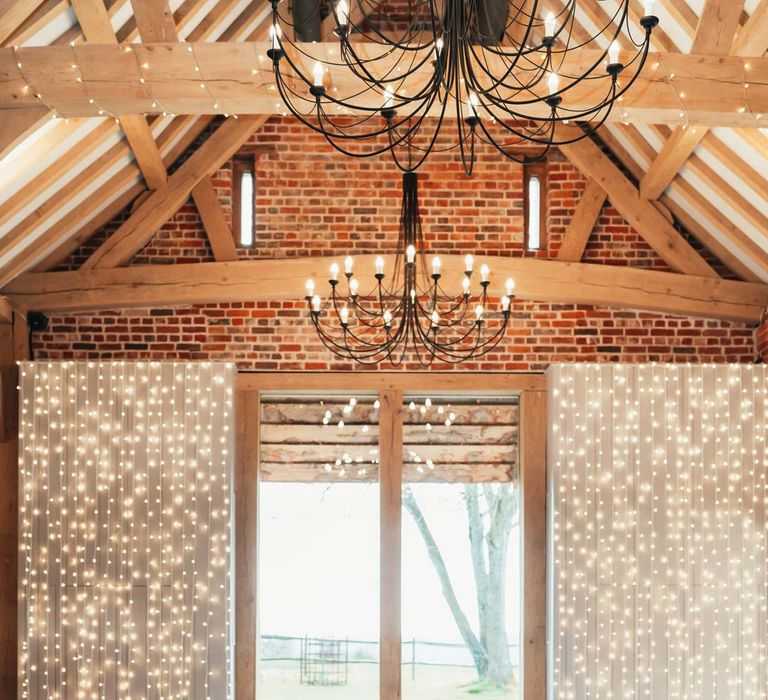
column 505, row 303
column 342, row 13
column 469, row 261
column 274, row 35
column 648, row 5
column 310, row 286
column 484, row 272
column 316, row 304
column 334, row 272
column 553, row 83
column 318, row 73
column 344, row 314
column 435, row 319
column 387, row 318
column 353, row 287
column 379, row 264
column 436, row 265
column 549, row 25
column 479, row 312
column 410, row 254
column 613, row 53
column 465, row 286
column 510, row 286
column 474, row 102
column 348, row 264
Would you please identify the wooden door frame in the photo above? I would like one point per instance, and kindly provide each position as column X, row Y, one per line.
column 531, row 390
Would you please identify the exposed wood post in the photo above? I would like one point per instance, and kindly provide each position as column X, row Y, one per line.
column 391, row 494
column 246, row 543
column 13, row 347
column 533, row 484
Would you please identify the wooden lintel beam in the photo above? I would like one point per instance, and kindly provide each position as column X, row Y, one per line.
column 275, row 280
column 582, row 224
column 162, row 204
column 639, row 213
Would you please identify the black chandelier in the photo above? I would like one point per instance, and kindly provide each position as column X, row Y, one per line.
column 507, row 74
column 408, row 309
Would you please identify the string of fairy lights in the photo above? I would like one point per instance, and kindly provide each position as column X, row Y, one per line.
column 659, row 531
column 125, row 530
column 157, row 107
column 359, row 459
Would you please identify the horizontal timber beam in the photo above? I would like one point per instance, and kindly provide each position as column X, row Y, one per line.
column 151, row 78
column 275, row 280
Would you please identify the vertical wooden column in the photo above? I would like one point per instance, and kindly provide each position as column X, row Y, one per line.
column 13, row 347
column 533, row 476
column 391, row 486
column 246, row 543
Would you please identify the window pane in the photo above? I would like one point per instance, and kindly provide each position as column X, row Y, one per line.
column 246, row 208
column 534, row 213
column 461, row 578
column 319, row 549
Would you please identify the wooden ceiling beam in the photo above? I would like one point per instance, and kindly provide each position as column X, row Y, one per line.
column 712, row 85
column 639, row 213
column 582, row 224
column 714, row 35
column 17, row 124
column 162, row 204
column 283, row 279
column 753, row 37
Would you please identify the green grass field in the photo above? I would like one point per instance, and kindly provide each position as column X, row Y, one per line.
column 280, row 681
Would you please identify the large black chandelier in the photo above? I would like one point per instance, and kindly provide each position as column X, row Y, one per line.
column 508, row 72
column 408, row 309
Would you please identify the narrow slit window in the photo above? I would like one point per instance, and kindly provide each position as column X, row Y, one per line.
column 244, row 202
column 535, row 206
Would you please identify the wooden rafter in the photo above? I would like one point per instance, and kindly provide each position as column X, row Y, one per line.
column 214, row 221
column 736, row 239
column 17, row 124
column 271, row 280
column 139, row 228
column 752, row 37
column 639, row 213
column 12, row 15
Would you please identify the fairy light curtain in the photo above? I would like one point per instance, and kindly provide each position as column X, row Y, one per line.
column 125, row 530
column 658, row 500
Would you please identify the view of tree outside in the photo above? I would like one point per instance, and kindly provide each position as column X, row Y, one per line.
column 319, row 554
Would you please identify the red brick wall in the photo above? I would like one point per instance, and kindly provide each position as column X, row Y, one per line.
column 313, row 201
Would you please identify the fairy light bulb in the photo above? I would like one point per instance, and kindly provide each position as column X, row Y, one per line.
column 316, row 303
column 549, row 24
column 613, row 53
column 342, row 12
column 553, row 83
column 484, row 272
column 510, row 286
column 318, row 74
column 348, row 264
column 334, row 271
column 379, row 265
column 310, row 287
column 410, row 254
column 436, row 263
column 469, row 261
